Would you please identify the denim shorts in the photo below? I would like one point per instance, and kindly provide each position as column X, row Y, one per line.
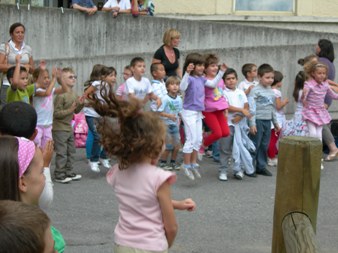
column 172, row 137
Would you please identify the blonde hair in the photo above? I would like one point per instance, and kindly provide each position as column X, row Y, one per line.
column 172, row 79
column 169, row 35
column 311, row 67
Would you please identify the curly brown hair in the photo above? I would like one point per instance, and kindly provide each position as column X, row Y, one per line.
column 127, row 132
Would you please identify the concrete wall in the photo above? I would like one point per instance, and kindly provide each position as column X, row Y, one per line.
column 76, row 40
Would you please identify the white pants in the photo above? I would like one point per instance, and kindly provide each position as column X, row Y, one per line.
column 46, row 197
column 314, row 130
column 193, row 130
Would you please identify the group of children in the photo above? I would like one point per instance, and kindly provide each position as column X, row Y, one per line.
column 141, row 135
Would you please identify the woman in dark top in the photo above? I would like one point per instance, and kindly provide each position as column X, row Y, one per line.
column 168, row 54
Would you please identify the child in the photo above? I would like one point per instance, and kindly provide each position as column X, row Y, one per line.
column 136, row 139
column 315, row 89
column 193, row 83
column 18, row 78
column 159, row 87
column 297, row 126
column 19, row 119
column 262, row 104
column 138, row 86
column 43, row 103
column 170, row 111
column 280, row 104
column 121, row 92
column 108, row 78
column 146, row 7
column 233, row 146
column 24, row 228
column 215, row 104
column 21, row 175
column 65, row 105
column 249, row 71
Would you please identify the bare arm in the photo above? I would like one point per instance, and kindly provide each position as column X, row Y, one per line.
column 280, row 104
column 168, row 214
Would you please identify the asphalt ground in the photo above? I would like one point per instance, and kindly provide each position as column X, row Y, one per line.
column 233, row 216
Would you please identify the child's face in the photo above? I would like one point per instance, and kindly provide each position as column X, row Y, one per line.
column 69, row 78
column 266, row 79
column 230, row 81
column 212, row 70
column 159, row 74
column 23, row 81
column 111, row 78
column 173, row 88
column 319, row 75
column 49, row 241
column 34, row 179
column 139, row 69
column 45, row 79
column 253, row 72
column 199, row 69
column 126, row 74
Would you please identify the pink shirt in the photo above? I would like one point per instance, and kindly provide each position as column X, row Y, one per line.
column 214, row 99
column 140, row 223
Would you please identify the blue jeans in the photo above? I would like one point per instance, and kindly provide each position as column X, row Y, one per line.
column 261, row 140
column 96, row 148
column 215, row 151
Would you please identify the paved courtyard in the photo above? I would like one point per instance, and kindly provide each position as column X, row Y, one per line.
column 233, row 216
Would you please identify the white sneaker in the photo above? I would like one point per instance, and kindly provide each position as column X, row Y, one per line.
column 322, row 165
column 105, row 163
column 272, row 162
column 239, row 175
column 196, row 172
column 94, row 166
column 223, row 176
column 188, row 173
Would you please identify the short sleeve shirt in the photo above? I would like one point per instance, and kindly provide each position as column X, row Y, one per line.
column 20, row 95
column 84, row 3
column 123, row 4
column 139, row 88
column 170, row 68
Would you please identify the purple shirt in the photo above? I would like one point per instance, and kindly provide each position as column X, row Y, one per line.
column 194, row 94
column 331, row 74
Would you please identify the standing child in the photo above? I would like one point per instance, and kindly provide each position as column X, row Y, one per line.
column 65, row 105
column 43, row 103
column 139, row 86
column 20, row 90
column 315, row 89
column 108, row 79
column 215, row 104
column 136, row 139
column 262, row 104
column 280, row 104
column 121, row 91
column 233, row 147
column 159, row 87
column 249, row 71
column 193, row 83
column 170, row 111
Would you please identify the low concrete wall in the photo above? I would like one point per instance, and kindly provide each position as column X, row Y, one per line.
column 77, row 40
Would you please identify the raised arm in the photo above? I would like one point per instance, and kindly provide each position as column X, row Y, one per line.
column 212, row 83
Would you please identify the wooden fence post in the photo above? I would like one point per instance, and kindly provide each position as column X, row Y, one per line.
column 297, row 183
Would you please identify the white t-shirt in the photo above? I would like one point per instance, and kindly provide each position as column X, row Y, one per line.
column 89, row 111
column 245, row 84
column 159, row 90
column 139, row 88
column 236, row 98
column 123, row 4
column 280, row 113
column 44, row 108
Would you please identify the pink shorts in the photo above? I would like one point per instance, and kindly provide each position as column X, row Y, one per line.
column 44, row 135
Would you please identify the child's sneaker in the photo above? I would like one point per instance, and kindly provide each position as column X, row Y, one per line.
column 163, row 165
column 174, row 166
column 200, row 153
column 239, row 175
column 208, row 153
column 74, row 176
column 105, row 163
column 62, row 179
column 223, row 176
column 272, row 162
column 188, row 173
column 194, row 169
column 94, row 166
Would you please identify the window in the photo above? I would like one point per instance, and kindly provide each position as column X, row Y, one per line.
column 264, row 5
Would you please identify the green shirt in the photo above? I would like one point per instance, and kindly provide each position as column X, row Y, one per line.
column 60, row 243
column 20, row 95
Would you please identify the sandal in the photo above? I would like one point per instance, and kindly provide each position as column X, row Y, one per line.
column 331, row 157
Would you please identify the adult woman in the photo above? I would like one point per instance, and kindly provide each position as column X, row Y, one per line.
column 168, row 54
column 325, row 53
column 9, row 50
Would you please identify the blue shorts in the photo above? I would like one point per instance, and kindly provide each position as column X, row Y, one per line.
column 172, row 137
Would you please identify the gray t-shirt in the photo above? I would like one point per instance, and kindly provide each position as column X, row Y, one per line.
column 26, row 53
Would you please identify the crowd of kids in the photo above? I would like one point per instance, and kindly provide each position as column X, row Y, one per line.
column 139, row 123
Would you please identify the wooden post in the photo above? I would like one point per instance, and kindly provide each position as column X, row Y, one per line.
column 298, row 234
column 297, row 186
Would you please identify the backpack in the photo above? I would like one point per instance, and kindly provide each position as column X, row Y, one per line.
column 80, row 130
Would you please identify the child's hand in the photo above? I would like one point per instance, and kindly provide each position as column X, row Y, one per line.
column 18, row 58
column 172, row 117
column 73, row 106
column 158, row 102
column 186, row 204
column 47, row 153
column 277, row 128
column 190, row 68
column 246, row 113
column 54, row 72
column 237, row 118
column 253, row 130
column 43, row 64
column 223, row 67
column 286, row 101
